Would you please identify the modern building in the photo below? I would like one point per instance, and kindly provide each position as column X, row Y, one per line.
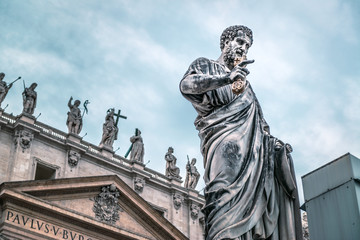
column 332, row 199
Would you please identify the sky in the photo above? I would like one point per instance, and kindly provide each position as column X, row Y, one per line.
column 131, row 55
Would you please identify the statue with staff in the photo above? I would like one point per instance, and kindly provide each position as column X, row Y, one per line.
column 29, row 98
column 4, row 88
column 192, row 174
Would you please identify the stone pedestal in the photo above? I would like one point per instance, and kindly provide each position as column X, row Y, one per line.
column 73, row 138
column 2, row 121
column 107, row 151
column 26, row 118
column 193, row 193
column 138, row 165
column 175, row 181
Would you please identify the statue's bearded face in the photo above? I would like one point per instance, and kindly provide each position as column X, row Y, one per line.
column 236, row 48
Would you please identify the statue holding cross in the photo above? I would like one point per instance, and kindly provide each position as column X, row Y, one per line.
column 110, row 129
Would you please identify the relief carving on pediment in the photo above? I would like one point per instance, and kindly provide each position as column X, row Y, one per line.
column 106, row 204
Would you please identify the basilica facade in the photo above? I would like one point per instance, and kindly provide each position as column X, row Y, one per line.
column 55, row 185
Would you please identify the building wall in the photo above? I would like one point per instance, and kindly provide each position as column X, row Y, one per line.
column 332, row 199
column 50, row 147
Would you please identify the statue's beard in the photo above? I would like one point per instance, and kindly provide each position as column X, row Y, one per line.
column 231, row 54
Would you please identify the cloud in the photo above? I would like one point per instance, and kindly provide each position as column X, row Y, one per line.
column 34, row 62
column 132, row 55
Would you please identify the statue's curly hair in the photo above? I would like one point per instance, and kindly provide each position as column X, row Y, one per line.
column 231, row 32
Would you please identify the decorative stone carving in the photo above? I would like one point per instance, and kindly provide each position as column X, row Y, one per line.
column 178, row 200
column 74, row 119
column 106, row 206
column 139, row 184
column 110, row 129
column 23, row 138
column 73, row 158
column 192, row 175
column 29, row 99
column 171, row 169
column 195, row 209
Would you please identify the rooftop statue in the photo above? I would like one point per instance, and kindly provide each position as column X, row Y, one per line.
column 137, row 149
column 74, row 119
column 192, row 174
column 171, row 169
column 250, row 182
column 110, row 129
column 4, row 88
column 29, row 99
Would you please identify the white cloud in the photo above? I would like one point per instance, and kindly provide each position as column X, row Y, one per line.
column 121, row 43
column 34, row 62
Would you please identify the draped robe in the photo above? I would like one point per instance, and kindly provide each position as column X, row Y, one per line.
column 250, row 188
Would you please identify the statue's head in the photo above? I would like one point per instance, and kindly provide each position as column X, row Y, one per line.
column 33, row 86
column 2, row 75
column 77, row 103
column 193, row 161
column 171, row 149
column 235, row 42
column 231, row 32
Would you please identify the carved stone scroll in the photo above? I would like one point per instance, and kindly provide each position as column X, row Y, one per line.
column 23, row 138
column 139, row 184
column 194, row 209
column 178, row 200
column 73, row 158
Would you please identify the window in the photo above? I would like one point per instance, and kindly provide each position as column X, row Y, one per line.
column 44, row 172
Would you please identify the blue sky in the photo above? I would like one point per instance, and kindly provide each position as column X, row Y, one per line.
column 131, row 55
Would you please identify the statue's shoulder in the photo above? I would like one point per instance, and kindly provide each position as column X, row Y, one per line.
column 202, row 60
column 202, row 64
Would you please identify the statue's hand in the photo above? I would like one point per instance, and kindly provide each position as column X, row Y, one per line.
column 246, row 62
column 238, row 73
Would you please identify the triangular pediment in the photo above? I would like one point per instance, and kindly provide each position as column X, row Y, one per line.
column 102, row 207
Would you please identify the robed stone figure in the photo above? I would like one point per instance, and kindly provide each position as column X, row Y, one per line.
column 110, row 129
column 171, row 169
column 250, row 188
column 192, row 175
column 29, row 99
column 4, row 88
column 137, row 149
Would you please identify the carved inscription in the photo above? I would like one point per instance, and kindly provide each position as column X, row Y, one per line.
column 39, row 226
